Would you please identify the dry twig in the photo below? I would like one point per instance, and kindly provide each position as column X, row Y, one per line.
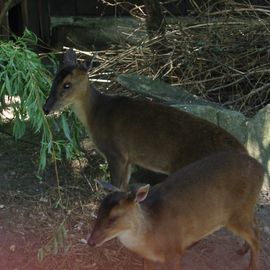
column 222, row 57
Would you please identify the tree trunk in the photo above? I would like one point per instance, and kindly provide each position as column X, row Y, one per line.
column 156, row 28
column 155, row 23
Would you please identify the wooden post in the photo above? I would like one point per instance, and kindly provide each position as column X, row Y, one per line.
column 44, row 22
column 155, row 23
column 25, row 13
column 4, row 7
column 36, row 18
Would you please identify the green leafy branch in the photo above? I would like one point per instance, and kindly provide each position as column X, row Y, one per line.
column 23, row 75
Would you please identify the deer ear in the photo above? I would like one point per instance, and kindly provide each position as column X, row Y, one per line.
column 86, row 65
column 70, row 58
column 142, row 193
column 107, row 186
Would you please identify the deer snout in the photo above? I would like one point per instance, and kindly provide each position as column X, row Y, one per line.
column 91, row 241
column 50, row 104
column 46, row 109
column 96, row 238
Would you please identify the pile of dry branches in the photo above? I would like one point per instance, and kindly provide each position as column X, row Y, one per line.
column 223, row 57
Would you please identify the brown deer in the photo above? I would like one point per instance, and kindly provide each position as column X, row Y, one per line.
column 217, row 191
column 131, row 131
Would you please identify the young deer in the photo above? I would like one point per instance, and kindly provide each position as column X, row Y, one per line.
column 214, row 192
column 131, row 131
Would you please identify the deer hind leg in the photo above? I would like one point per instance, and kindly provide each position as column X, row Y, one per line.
column 120, row 171
column 149, row 265
column 245, row 228
column 245, row 248
column 172, row 264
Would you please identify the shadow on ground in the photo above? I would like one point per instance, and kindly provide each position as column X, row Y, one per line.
column 30, row 217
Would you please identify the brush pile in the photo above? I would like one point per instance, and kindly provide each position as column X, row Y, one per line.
column 221, row 55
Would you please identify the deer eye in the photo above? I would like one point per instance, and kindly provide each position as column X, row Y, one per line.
column 111, row 221
column 66, row 85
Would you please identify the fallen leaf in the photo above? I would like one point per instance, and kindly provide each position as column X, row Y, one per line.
column 12, row 248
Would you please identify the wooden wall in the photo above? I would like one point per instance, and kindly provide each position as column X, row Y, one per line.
column 35, row 14
column 97, row 8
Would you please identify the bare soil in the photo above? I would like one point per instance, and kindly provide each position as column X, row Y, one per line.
column 33, row 221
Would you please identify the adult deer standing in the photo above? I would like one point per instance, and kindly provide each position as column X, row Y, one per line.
column 131, row 131
column 214, row 192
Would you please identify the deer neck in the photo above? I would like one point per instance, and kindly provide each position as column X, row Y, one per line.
column 138, row 237
column 138, row 226
column 85, row 106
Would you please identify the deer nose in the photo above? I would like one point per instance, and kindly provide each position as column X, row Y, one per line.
column 46, row 110
column 91, row 242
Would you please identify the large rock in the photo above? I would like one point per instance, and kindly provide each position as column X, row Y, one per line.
column 161, row 90
column 258, row 140
column 233, row 121
column 254, row 133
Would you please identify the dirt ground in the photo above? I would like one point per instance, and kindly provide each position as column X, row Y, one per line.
column 37, row 231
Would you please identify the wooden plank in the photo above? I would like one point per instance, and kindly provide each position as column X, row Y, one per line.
column 31, row 16
column 63, row 7
column 36, row 18
column 93, row 8
column 44, row 23
column 15, row 3
column 25, row 15
column 15, row 19
column 98, row 8
column 4, row 28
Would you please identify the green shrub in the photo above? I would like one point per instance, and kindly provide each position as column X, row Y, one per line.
column 23, row 75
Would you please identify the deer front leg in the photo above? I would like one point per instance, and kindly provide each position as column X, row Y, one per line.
column 120, row 171
column 149, row 265
column 174, row 263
